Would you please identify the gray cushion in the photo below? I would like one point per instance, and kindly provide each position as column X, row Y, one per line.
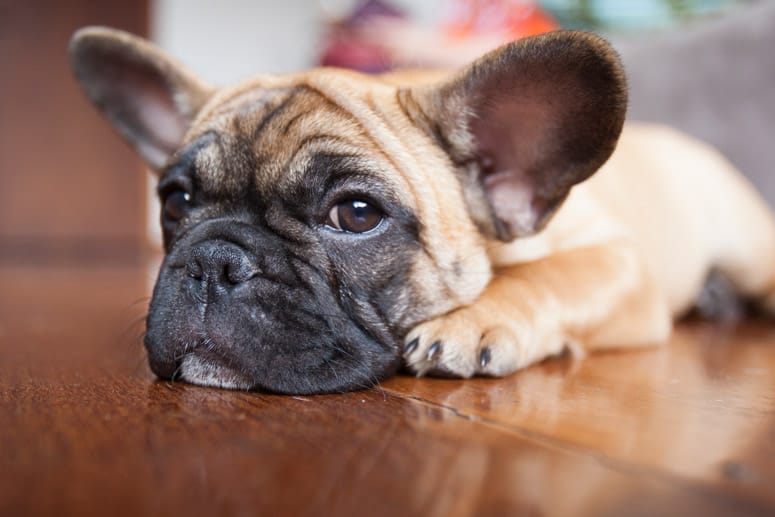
column 715, row 80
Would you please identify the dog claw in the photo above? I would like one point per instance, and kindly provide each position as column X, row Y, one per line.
column 434, row 352
column 431, row 359
column 484, row 357
column 411, row 346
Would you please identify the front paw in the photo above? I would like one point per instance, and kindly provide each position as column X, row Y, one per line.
column 478, row 340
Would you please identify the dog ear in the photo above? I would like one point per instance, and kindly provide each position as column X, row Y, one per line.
column 148, row 97
column 525, row 123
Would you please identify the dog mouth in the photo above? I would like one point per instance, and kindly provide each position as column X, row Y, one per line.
column 203, row 369
column 286, row 329
column 224, row 362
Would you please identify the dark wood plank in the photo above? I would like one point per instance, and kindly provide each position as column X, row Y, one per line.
column 699, row 410
column 85, row 429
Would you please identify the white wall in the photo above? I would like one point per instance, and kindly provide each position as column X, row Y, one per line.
column 226, row 40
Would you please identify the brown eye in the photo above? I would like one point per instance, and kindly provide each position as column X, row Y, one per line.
column 176, row 204
column 354, row 216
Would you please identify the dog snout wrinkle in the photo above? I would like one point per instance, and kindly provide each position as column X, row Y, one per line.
column 217, row 266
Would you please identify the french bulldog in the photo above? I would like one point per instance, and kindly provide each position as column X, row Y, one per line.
column 326, row 228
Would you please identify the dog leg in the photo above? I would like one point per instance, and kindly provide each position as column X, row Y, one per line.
column 598, row 297
column 744, row 239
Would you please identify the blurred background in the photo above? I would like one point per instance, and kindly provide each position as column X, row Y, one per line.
column 71, row 191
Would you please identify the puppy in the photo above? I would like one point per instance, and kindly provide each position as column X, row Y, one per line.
column 323, row 229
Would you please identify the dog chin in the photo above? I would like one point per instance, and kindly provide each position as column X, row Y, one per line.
column 197, row 370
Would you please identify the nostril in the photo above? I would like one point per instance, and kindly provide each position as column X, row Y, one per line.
column 230, row 275
column 194, row 268
column 220, row 264
column 238, row 271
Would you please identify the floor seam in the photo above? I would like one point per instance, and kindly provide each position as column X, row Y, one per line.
column 606, row 460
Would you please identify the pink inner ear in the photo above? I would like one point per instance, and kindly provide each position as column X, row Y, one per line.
column 137, row 96
column 511, row 134
column 146, row 112
column 163, row 125
column 512, row 203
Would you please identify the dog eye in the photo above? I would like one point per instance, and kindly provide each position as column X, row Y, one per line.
column 354, row 216
column 176, row 204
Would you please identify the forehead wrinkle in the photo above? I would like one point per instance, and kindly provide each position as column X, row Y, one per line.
column 241, row 105
column 206, row 166
column 327, row 130
column 273, row 112
column 185, row 156
column 311, row 120
column 311, row 124
column 239, row 123
column 250, row 85
column 340, row 94
column 299, row 167
column 376, row 161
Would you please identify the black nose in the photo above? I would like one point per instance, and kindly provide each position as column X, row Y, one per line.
column 217, row 266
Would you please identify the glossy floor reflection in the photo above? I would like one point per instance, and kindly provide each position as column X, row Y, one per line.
column 686, row 430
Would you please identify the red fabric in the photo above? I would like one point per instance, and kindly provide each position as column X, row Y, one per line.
column 516, row 19
column 348, row 43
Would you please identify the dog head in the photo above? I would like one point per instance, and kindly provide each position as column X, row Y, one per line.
column 310, row 220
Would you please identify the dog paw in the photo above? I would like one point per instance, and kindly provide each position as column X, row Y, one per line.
column 477, row 341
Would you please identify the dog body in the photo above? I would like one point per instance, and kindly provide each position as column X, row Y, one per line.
column 671, row 192
column 325, row 228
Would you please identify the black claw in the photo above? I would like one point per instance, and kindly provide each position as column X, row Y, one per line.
column 484, row 357
column 434, row 352
column 411, row 346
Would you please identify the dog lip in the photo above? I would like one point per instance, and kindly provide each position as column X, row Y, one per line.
column 205, row 369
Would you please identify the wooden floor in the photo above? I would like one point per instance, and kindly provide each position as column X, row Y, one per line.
column 85, row 429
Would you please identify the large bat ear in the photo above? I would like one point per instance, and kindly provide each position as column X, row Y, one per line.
column 148, row 97
column 525, row 123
